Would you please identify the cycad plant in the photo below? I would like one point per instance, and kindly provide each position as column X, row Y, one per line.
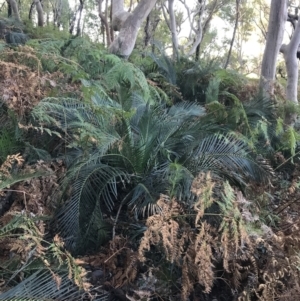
column 121, row 161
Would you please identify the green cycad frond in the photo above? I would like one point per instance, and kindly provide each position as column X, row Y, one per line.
column 42, row 285
column 92, row 182
column 260, row 107
column 229, row 157
column 165, row 66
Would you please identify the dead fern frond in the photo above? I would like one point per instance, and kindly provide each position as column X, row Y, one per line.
column 162, row 229
column 204, row 256
column 202, row 187
column 5, row 168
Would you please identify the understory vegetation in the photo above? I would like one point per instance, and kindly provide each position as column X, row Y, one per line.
column 143, row 179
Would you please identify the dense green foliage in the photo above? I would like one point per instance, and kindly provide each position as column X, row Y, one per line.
column 152, row 165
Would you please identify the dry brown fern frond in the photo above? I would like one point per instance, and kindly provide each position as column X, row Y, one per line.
column 34, row 194
column 118, row 260
column 163, row 230
column 197, row 261
column 204, row 244
column 19, row 87
column 5, row 168
column 202, row 187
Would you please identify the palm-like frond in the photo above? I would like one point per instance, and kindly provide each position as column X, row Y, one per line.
column 229, row 157
column 94, row 187
column 165, row 66
column 43, row 285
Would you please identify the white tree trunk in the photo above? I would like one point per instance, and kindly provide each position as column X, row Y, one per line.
column 278, row 17
column 128, row 25
column 290, row 56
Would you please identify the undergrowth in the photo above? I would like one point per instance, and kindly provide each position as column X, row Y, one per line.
column 153, row 180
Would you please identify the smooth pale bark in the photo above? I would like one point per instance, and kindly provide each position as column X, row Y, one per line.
column 119, row 14
column 237, row 16
column 128, row 25
column 278, row 17
column 40, row 12
column 290, row 56
column 173, row 28
column 15, row 10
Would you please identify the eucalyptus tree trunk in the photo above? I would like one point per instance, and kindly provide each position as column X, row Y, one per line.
column 277, row 19
column 173, row 29
column 40, row 12
column 151, row 24
column 104, row 20
column 290, row 56
column 57, row 11
column 78, row 30
column 15, row 10
column 199, row 30
column 128, row 25
column 72, row 22
column 237, row 16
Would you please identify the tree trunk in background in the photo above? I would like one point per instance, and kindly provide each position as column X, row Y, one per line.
column 72, row 23
column 290, row 56
column 199, row 30
column 78, row 30
column 147, row 31
column 119, row 14
column 173, row 29
column 31, row 11
column 237, row 16
column 128, row 25
column 47, row 13
column 104, row 21
column 9, row 12
column 151, row 24
column 277, row 19
column 112, row 36
column 57, row 13
column 40, row 12
column 14, row 10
